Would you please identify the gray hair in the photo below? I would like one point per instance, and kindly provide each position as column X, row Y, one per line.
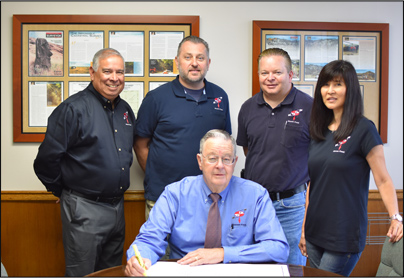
column 217, row 133
column 276, row 52
column 103, row 54
column 193, row 39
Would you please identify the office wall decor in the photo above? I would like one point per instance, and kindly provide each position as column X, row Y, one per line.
column 52, row 55
column 311, row 45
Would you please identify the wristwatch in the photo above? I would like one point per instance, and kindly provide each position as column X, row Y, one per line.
column 396, row 217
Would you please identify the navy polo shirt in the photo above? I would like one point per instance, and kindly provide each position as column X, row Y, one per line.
column 176, row 122
column 277, row 139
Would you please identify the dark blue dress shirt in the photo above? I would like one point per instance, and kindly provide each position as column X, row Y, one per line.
column 88, row 146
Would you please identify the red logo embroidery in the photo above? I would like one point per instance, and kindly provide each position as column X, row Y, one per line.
column 295, row 113
column 126, row 116
column 218, row 101
column 342, row 142
column 239, row 214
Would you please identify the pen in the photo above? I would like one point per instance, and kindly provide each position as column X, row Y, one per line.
column 139, row 259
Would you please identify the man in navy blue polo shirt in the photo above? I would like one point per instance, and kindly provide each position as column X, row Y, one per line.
column 173, row 118
column 273, row 129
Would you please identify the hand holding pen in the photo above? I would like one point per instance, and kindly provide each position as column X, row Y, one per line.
column 136, row 265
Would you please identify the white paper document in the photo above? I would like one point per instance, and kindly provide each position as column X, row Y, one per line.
column 175, row 269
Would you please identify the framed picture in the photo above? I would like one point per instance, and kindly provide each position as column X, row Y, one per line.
column 52, row 55
column 311, row 45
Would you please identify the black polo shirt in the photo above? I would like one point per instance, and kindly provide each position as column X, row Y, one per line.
column 277, row 139
column 88, row 146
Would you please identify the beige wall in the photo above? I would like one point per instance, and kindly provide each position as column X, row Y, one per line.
column 230, row 68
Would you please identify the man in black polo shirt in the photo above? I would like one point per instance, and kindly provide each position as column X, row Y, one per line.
column 84, row 160
column 273, row 129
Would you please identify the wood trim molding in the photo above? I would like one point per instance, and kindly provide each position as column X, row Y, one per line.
column 15, row 196
column 130, row 195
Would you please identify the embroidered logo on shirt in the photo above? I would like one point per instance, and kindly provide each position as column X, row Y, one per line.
column 238, row 214
column 340, row 144
column 126, row 117
column 295, row 113
column 217, row 101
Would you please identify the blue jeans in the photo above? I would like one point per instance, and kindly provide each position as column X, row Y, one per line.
column 290, row 212
column 337, row 262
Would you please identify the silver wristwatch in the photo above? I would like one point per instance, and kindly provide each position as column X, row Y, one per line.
column 396, row 217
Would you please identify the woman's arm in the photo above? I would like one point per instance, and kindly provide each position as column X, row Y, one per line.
column 384, row 183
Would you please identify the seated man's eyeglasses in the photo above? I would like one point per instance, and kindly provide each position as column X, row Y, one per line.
column 213, row 159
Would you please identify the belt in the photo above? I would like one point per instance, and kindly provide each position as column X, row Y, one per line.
column 108, row 200
column 288, row 193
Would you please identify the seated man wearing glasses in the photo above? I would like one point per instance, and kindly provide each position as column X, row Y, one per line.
column 250, row 230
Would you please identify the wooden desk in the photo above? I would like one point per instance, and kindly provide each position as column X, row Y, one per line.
column 294, row 270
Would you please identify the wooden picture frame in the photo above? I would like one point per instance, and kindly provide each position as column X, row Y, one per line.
column 23, row 79
column 376, row 90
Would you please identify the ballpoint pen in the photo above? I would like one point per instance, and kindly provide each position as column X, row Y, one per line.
column 139, row 259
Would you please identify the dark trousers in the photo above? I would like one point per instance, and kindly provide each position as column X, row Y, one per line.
column 93, row 234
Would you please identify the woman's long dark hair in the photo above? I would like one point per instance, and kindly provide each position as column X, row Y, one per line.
column 321, row 116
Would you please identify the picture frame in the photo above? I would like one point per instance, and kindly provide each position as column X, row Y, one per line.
column 344, row 40
column 42, row 81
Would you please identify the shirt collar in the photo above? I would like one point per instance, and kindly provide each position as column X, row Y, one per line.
column 206, row 191
column 179, row 90
column 104, row 101
column 287, row 101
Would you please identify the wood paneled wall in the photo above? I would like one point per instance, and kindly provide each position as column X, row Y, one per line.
column 31, row 232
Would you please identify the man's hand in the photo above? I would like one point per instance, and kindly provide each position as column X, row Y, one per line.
column 203, row 256
column 133, row 267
